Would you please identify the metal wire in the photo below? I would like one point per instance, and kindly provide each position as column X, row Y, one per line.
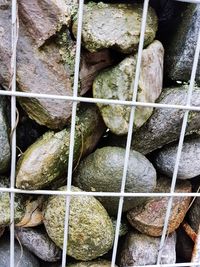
column 75, row 99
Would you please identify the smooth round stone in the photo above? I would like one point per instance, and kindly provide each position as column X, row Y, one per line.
column 23, row 258
column 4, row 138
column 19, row 207
column 117, row 83
column 91, row 230
column 139, row 249
column 149, row 218
column 115, row 26
column 102, row 171
column 189, row 166
column 38, row 242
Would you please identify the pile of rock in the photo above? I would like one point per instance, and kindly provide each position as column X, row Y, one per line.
column 45, row 64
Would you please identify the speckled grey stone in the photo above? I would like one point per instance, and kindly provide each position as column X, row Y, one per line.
column 23, row 258
column 38, row 242
column 115, row 25
column 181, row 47
column 189, row 165
column 4, row 138
column 117, row 83
column 140, row 249
column 91, row 231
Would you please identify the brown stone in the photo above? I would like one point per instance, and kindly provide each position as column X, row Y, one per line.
column 149, row 218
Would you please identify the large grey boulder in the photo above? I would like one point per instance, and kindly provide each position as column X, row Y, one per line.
column 38, row 242
column 4, row 137
column 139, row 249
column 181, row 47
column 23, row 258
column 117, row 83
column 189, row 166
column 115, row 26
column 102, row 171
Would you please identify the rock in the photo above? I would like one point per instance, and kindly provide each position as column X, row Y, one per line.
column 4, row 138
column 189, row 162
column 140, row 249
column 53, row 14
column 124, row 226
column 91, row 231
column 194, row 211
column 165, row 124
column 115, row 26
column 149, row 218
column 20, row 204
column 47, row 159
column 38, row 242
column 99, row 263
column 25, row 259
column 102, row 171
column 182, row 44
column 117, row 83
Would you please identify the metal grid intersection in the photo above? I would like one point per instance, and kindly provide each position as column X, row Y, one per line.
column 75, row 99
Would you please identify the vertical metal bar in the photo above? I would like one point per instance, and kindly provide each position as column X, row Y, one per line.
column 130, row 129
column 180, row 145
column 72, row 133
column 14, row 37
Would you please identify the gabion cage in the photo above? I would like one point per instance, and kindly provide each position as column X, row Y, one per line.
column 75, row 99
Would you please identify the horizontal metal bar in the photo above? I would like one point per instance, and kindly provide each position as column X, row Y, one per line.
column 99, row 100
column 186, row 264
column 103, row 194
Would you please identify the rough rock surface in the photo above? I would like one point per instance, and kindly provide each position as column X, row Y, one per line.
column 149, row 218
column 189, row 166
column 23, row 260
column 38, row 242
column 91, row 231
column 140, row 249
column 99, row 263
column 182, row 44
column 4, row 139
column 47, row 159
column 102, row 171
column 117, row 83
column 20, row 205
column 115, row 26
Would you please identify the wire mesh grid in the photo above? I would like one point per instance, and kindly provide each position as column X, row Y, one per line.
column 76, row 99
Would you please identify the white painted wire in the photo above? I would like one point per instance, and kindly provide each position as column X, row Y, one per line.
column 180, row 145
column 14, row 37
column 130, row 129
column 76, row 99
column 72, row 132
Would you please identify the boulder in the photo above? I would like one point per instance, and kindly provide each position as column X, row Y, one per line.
column 117, row 83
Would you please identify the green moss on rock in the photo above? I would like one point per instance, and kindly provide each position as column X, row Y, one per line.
column 91, row 231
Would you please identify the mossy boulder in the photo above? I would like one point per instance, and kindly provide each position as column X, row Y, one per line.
column 4, row 139
column 91, row 231
column 115, row 25
column 19, row 205
column 47, row 159
column 98, row 263
column 102, row 171
column 117, row 83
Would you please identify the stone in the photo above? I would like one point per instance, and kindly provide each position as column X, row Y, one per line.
column 91, row 231
column 23, row 257
column 189, row 162
column 102, row 171
column 181, row 46
column 139, row 249
column 19, row 205
column 149, row 218
column 53, row 14
column 117, row 83
column 115, row 26
column 4, row 137
column 194, row 211
column 38, row 242
column 99, row 263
